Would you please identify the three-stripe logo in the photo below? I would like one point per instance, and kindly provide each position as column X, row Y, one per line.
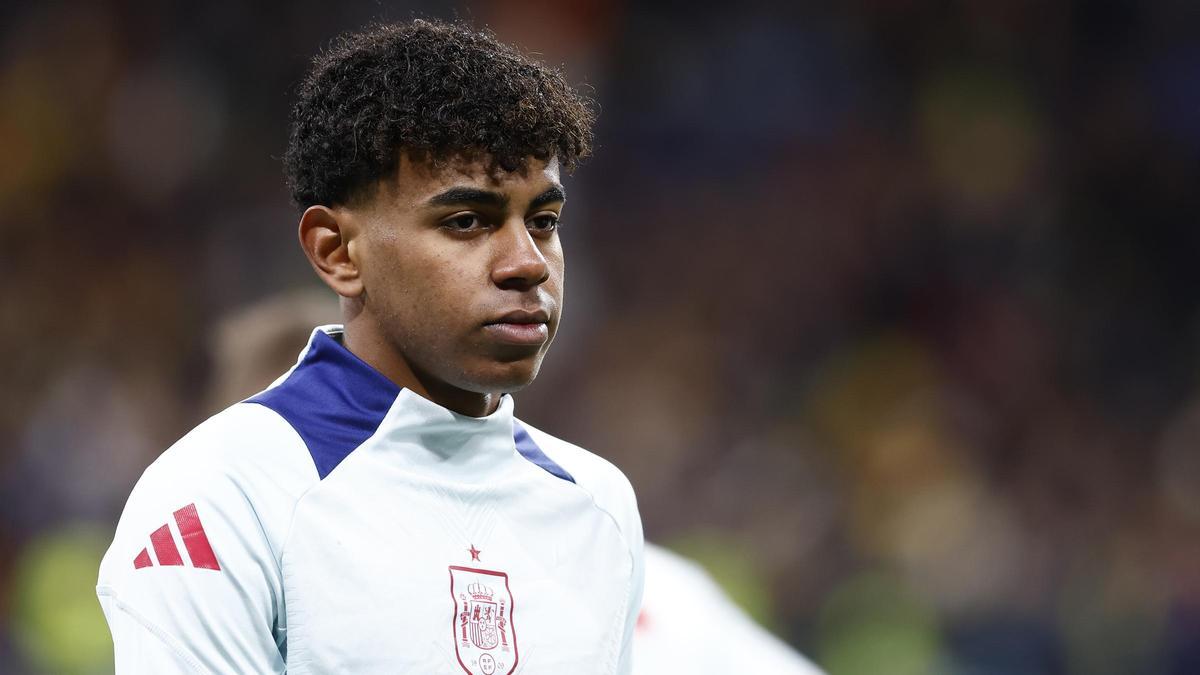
column 195, row 540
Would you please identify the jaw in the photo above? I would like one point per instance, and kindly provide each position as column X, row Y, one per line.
column 496, row 369
column 495, row 376
column 475, row 389
column 466, row 375
column 486, row 366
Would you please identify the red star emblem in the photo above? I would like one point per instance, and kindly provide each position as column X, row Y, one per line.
column 474, row 552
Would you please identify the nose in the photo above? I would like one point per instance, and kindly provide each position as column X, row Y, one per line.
column 518, row 262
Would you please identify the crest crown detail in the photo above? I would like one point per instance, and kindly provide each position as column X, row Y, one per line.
column 478, row 591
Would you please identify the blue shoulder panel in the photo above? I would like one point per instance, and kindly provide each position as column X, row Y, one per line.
column 530, row 451
column 333, row 400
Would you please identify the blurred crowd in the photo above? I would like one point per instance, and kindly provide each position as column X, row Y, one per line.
column 889, row 309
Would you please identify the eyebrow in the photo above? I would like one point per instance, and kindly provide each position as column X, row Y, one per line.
column 552, row 194
column 469, row 195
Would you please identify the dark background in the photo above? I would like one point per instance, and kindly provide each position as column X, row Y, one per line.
column 888, row 309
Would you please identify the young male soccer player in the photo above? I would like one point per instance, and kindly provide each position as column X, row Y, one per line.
column 379, row 509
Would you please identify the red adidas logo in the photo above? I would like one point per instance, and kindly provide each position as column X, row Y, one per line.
column 194, row 540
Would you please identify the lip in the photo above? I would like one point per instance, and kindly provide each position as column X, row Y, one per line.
column 522, row 317
column 520, row 327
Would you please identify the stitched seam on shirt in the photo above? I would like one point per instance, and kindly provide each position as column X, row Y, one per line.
column 297, row 649
column 618, row 634
column 615, row 643
column 592, row 498
column 281, row 603
column 166, row 638
column 614, row 646
column 302, row 659
column 262, row 528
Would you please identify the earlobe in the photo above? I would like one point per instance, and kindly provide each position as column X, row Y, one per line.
column 325, row 236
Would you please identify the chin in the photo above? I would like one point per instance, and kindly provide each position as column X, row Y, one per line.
column 504, row 377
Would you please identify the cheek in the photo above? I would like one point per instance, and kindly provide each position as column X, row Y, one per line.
column 392, row 275
column 558, row 270
column 427, row 292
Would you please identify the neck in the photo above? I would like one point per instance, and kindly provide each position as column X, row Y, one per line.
column 377, row 352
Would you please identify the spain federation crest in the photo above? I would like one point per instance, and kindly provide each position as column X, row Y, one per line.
column 485, row 637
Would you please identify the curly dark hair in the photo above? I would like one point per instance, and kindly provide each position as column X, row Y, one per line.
column 434, row 90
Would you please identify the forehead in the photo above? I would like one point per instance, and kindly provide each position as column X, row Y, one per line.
column 418, row 180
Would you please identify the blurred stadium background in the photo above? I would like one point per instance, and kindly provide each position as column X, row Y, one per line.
column 887, row 308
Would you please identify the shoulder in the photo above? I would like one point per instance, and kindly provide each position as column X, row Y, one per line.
column 241, row 444
column 588, row 469
column 606, row 484
column 193, row 571
column 241, row 471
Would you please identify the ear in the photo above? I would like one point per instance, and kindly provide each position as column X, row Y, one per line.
column 325, row 236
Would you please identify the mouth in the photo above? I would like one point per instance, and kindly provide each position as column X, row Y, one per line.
column 520, row 327
column 521, row 316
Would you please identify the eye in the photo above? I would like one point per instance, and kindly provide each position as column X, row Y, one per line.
column 465, row 222
column 547, row 222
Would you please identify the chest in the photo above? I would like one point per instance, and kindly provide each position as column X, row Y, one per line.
column 395, row 573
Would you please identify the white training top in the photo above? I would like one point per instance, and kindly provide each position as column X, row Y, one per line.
column 689, row 626
column 336, row 523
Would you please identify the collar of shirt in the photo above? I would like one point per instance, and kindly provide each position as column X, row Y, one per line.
column 338, row 404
